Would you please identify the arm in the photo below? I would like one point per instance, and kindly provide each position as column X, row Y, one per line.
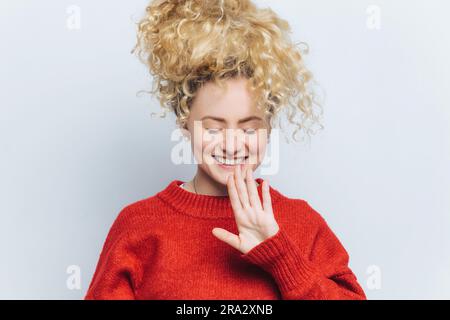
column 325, row 277
column 117, row 273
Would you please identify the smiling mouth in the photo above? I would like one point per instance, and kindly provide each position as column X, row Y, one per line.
column 229, row 162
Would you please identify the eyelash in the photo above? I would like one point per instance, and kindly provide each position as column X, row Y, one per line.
column 215, row 130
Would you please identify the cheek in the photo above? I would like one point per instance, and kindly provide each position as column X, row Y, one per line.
column 256, row 147
column 262, row 144
column 204, row 147
column 197, row 148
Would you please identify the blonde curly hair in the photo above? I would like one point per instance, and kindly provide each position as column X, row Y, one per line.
column 185, row 43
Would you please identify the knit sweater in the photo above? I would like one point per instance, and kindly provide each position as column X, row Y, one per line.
column 162, row 248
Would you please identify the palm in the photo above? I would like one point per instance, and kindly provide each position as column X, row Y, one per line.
column 255, row 220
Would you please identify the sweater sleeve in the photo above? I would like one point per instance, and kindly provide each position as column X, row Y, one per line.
column 117, row 273
column 326, row 276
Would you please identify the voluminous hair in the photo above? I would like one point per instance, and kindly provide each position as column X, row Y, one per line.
column 186, row 43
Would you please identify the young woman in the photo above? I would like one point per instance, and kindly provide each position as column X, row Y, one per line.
column 226, row 69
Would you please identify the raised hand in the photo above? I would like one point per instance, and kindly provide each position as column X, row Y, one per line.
column 255, row 221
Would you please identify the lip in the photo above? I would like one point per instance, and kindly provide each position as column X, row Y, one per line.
column 229, row 167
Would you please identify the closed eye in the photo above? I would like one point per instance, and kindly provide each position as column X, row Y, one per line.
column 250, row 131
column 218, row 130
column 213, row 130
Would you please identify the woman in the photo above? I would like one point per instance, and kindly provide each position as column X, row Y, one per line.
column 226, row 68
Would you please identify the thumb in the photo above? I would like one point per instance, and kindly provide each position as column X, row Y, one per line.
column 227, row 237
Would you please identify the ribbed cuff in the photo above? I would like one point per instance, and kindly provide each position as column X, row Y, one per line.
column 281, row 257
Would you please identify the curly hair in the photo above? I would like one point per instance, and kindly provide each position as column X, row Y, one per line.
column 185, row 43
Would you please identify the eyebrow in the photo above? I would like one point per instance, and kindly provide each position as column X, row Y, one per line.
column 240, row 121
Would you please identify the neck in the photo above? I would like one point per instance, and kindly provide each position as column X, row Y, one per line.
column 206, row 185
column 205, row 206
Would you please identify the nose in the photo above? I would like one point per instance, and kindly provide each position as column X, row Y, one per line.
column 234, row 144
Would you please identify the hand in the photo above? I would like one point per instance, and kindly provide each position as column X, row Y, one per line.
column 255, row 222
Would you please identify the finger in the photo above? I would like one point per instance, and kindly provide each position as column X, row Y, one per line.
column 227, row 237
column 241, row 187
column 267, row 201
column 232, row 193
column 253, row 191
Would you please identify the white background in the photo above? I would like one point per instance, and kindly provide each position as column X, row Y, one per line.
column 77, row 144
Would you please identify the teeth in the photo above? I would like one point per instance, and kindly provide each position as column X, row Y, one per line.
column 229, row 162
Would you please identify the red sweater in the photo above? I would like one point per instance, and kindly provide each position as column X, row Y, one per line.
column 162, row 247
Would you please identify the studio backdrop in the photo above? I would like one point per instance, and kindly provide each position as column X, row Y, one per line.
column 78, row 142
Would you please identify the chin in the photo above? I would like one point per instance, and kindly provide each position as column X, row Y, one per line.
column 220, row 174
column 219, row 177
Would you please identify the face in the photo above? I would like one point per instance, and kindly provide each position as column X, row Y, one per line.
column 227, row 129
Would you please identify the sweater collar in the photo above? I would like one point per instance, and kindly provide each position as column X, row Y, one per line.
column 205, row 206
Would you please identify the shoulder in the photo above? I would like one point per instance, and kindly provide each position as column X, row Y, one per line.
column 301, row 211
column 146, row 207
column 135, row 215
column 132, row 226
column 312, row 231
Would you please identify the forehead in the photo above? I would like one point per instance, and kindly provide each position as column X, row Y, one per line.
column 233, row 103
